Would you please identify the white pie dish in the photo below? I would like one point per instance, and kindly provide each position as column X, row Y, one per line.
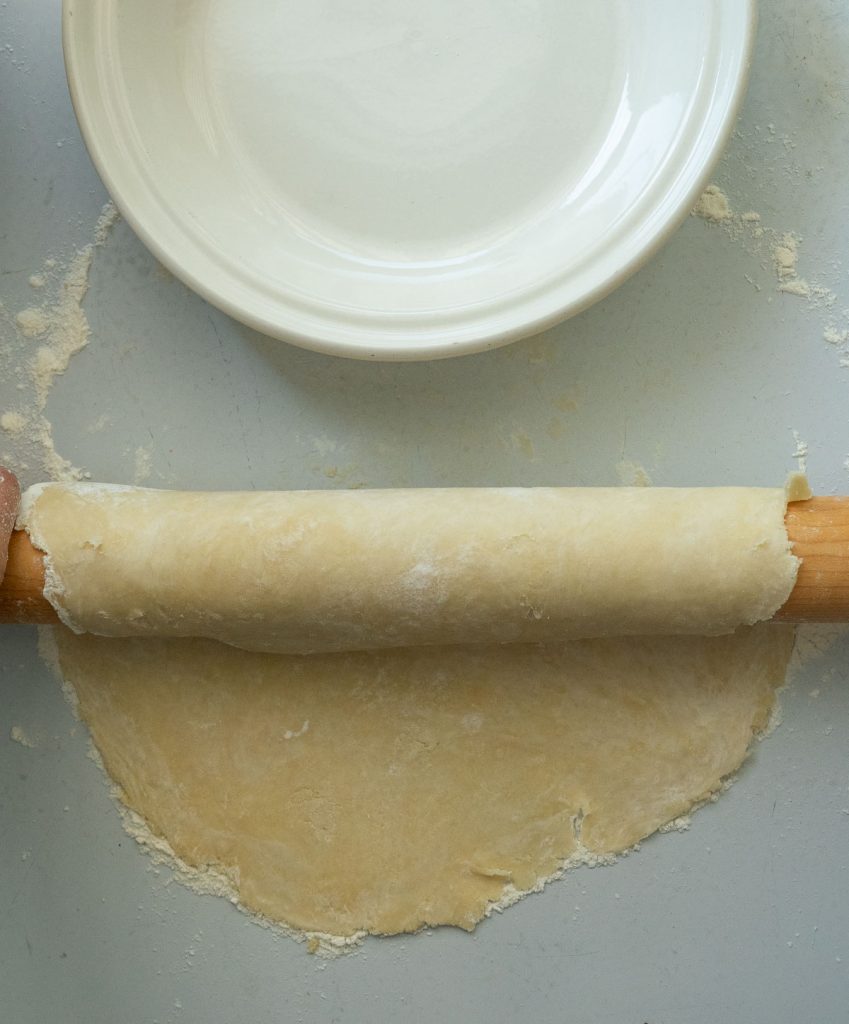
column 389, row 179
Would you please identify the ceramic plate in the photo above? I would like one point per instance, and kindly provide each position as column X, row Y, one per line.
column 400, row 179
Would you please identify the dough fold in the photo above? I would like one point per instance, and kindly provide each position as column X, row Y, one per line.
column 324, row 571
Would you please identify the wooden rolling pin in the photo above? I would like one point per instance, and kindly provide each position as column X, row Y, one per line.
column 818, row 530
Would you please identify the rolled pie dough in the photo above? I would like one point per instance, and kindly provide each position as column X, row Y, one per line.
column 376, row 791
column 309, row 571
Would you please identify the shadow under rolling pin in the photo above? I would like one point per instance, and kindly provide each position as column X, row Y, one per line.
column 818, row 530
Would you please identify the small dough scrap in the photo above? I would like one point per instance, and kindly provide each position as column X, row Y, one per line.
column 388, row 790
column 323, row 571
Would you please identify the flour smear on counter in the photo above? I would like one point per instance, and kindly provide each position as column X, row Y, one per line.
column 781, row 251
column 38, row 343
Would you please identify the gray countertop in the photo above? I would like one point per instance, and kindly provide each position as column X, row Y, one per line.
column 698, row 371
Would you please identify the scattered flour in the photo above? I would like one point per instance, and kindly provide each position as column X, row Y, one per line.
column 780, row 252
column 99, row 424
column 521, row 442
column 801, row 452
column 780, row 249
column 785, row 256
column 632, row 474
column 107, row 220
column 834, row 336
column 799, row 286
column 713, row 205
column 681, row 824
column 18, row 735
column 13, row 422
column 62, row 330
column 32, row 322
column 143, row 465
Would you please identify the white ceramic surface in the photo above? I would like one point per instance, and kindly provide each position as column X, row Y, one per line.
column 394, row 179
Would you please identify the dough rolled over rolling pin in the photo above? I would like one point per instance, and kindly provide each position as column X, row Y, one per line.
column 308, row 571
